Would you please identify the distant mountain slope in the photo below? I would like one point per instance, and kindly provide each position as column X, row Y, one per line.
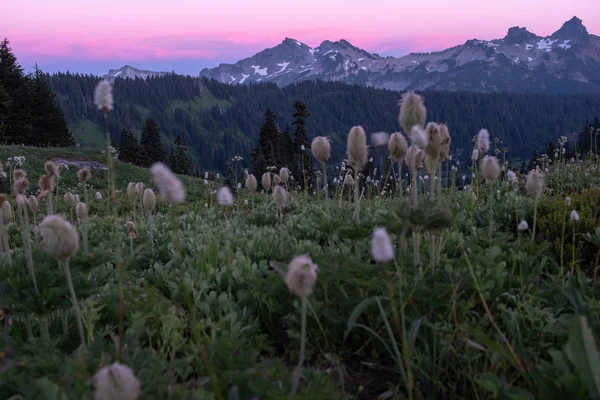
column 218, row 121
column 128, row 71
column 568, row 61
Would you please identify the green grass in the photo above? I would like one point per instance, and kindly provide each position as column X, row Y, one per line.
column 35, row 158
column 489, row 313
column 88, row 133
column 201, row 103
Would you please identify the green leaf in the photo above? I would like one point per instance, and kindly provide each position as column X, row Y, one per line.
column 414, row 330
column 357, row 313
column 49, row 389
column 582, row 352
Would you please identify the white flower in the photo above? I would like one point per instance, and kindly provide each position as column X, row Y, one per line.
column 568, row 202
column 483, row 141
column 206, row 175
column 574, row 216
column 475, row 155
column 246, row 202
column 205, row 182
column 301, row 275
column 418, row 137
column 103, row 97
column 239, row 185
column 382, row 250
column 171, row 189
column 426, row 177
column 511, row 177
column 523, row 226
column 98, row 196
column 302, row 148
column 225, row 197
column 217, row 176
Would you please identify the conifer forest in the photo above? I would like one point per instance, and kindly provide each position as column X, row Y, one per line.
column 181, row 238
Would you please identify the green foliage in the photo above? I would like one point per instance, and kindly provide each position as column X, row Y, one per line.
column 151, row 146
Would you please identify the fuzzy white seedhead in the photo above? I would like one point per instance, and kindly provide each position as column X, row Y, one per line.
column 284, row 174
column 475, row 155
column 511, row 177
column 149, row 201
column 69, row 199
column 81, row 211
column 382, row 250
column 103, row 98
column 321, row 148
column 84, row 174
column 51, row 168
column 483, row 141
column 446, row 142
column 379, row 139
column 523, row 226
column 534, row 185
column 356, row 147
column 251, row 183
column 279, row 196
column 6, row 211
column 116, row 381
column 348, row 180
column 301, row 275
column 276, row 180
column 574, row 216
column 490, row 169
column 397, row 147
column 266, row 181
column 171, row 189
column 98, row 196
column 59, row 237
column 418, row 137
column 412, row 111
column 33, row 203
column 568, row 202
column 225, row 197
column 434, row 140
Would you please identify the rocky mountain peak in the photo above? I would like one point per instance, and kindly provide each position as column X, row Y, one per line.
column 572, row 29
column 517, row 34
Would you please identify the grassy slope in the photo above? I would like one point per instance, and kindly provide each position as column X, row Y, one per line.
column 125, row 173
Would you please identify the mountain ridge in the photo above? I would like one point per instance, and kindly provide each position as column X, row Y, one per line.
column 568, row 60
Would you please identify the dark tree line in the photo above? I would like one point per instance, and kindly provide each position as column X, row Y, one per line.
column 29, row 113
column 218, row 121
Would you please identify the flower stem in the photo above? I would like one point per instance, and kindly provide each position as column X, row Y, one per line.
column 65, row 265
column 298, row 371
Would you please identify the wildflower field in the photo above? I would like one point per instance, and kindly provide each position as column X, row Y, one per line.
column 128, row 283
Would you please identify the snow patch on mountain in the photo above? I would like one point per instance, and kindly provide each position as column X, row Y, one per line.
column 260, row 71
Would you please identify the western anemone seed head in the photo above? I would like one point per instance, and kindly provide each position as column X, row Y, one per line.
column 21, row 185
column 84, row 174
column 418, row 137
column 321, row 149
column 511, row 177
column 131, row 192
column 412, row 111
column 397, row 146
column 357, row 148
column 475, row 155
column 251, row 183
column 103, row 97
column 434, row 140
column 490, row 169
column 81, row 211
column 59, row 237
column 131, row 229
column 69, row 199
column 19, row 174
column 446, row 141
column 301, row 275
column 414, row 158
column 98, row 196
column 139, row 188
column 523, row 226
column 382, row 250
column 430, row 164
column 149, row 201
column 225, row 197
column 46, row 184
column 568, row 202
column 276, row 179
column 534, row 185
column 51, row 168
column 266, row 181
column 279, row 196
column 76, row 196
column 170, row 188
column 574, row 216
column 348, row 180
column 6, row 212
column 483, row 141
column 284, row 174
column 33, row 203
column 116, row 381
column 2, row 200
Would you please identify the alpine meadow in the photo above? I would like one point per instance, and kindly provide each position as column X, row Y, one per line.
column 298, row 225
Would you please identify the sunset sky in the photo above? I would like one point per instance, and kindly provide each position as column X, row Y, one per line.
column 93, row 36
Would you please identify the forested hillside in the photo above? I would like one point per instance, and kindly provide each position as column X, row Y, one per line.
column 218, row 121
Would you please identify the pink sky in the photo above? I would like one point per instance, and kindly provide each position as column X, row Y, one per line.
column 187, row 35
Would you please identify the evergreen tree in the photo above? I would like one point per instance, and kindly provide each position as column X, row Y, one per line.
column 301, row 160
column 180, row 160
column 287, row 147
column 3, row 111
column 230, row 178
column 17, row 126
column 151, row 147
column 268, row 152
column 49, row 127
column 129, row 149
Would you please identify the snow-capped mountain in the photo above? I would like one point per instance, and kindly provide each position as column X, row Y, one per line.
column 128, row 71
column 566, row 61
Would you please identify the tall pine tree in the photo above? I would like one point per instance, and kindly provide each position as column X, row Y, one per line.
column 180, row 160
column 268, row 152
column 151, row 146
column 129, row 149
column 302, row 167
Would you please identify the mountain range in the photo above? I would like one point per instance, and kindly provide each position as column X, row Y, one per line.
column 566, row 61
